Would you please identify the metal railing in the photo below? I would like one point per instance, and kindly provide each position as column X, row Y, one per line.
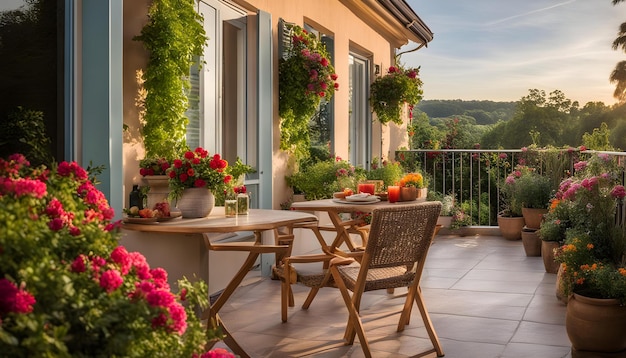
column 475, row 176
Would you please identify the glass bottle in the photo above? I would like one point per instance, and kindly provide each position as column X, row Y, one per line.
column 243, row 203
column 135, row 198
column 230, row 205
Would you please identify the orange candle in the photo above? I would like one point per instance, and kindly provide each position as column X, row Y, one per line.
column 393, row 193
column 366, row 188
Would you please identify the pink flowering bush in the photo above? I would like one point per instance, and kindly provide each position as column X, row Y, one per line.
column 587, row 212
column 66, row 287
column 306, row 77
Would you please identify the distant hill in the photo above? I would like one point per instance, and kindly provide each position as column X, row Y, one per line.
column 485, row 112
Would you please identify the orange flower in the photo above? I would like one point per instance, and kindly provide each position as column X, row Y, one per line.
column 554, row 203
column 589, row 246
column 622, row 271
column 412, row 179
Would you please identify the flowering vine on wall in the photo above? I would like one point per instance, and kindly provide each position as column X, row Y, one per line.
column 389, row 93
column 306, row 76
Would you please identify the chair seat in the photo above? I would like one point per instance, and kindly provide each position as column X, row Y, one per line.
column 309, row 278
column 378, row 278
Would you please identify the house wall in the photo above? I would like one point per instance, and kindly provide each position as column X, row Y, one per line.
column 350, row 33
column 330, row 16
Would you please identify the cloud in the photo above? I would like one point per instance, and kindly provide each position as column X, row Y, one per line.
column 532, row 12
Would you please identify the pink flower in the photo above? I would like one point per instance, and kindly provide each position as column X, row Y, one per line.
column 56, row 224
column 618, row 192
column 160, row 298
column 78, row 265
column 13, row 299
column 579, row 166
column 216, row 353
column 510, row 180
column 111, row 280
column 120, row 256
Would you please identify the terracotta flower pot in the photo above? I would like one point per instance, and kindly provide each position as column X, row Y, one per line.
column 596, row 327
column 531, row 242
column 511, row 227
column 533, row 217
column 412, row 193
column 547, row 253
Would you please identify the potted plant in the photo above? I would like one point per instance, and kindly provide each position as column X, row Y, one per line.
column 510, row 219
column 533, row 191
column 412, row 187
column 305, row 78
column 552, row 233
column 68, row 289
column 194, row 178
column 389, row 93
column 153, row 172
column 390, row 172
column 322, row 179
column 460, row 218
column 593, row 257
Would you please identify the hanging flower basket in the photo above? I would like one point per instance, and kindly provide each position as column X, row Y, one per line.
column 389, row 93
column 306, row 77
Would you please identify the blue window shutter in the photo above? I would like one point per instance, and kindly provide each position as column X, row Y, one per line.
column 265, row 108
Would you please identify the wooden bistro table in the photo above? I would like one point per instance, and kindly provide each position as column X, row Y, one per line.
column 335, row 207
column 257, row 221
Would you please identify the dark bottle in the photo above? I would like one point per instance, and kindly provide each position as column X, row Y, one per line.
column 136, row 199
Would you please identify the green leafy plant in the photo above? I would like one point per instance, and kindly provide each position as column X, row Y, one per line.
column 175, row 38
column 533, row 190
column 24, row 131
column 390, row 172
column 68, row 290
column 390, row 92
column 320, row 180
column 306, row 77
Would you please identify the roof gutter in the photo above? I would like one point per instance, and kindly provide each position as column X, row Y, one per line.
column 406, row 16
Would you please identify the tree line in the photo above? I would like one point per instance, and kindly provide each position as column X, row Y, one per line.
column 538, row 118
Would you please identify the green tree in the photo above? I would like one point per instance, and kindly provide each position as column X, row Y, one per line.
column 618, row 76
column 599, row 139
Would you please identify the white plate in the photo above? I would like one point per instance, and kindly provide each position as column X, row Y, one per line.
column 361, row 197
column 342, row 201
column 136, row 220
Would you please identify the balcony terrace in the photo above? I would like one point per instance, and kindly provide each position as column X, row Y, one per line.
column 486, row 298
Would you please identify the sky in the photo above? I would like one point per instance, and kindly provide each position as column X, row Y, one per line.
column 499, row 49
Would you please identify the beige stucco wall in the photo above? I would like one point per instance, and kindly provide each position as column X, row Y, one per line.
column 330, row 16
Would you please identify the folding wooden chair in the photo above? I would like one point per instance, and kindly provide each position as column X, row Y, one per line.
column 394, row 257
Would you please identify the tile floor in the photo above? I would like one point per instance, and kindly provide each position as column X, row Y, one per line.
column 486, row 298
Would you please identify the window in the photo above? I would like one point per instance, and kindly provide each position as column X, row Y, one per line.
column 360, row 122
column 32, row 74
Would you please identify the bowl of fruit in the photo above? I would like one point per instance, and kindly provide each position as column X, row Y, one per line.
column 160, row 212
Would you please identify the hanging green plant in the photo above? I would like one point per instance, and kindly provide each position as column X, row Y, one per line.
column 175, row 38
column 389, row 93
column 306, row 76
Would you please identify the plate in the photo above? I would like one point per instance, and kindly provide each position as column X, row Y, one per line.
column 342, row 201
column 173, row 215
column 135, row 220
column 360, row 197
